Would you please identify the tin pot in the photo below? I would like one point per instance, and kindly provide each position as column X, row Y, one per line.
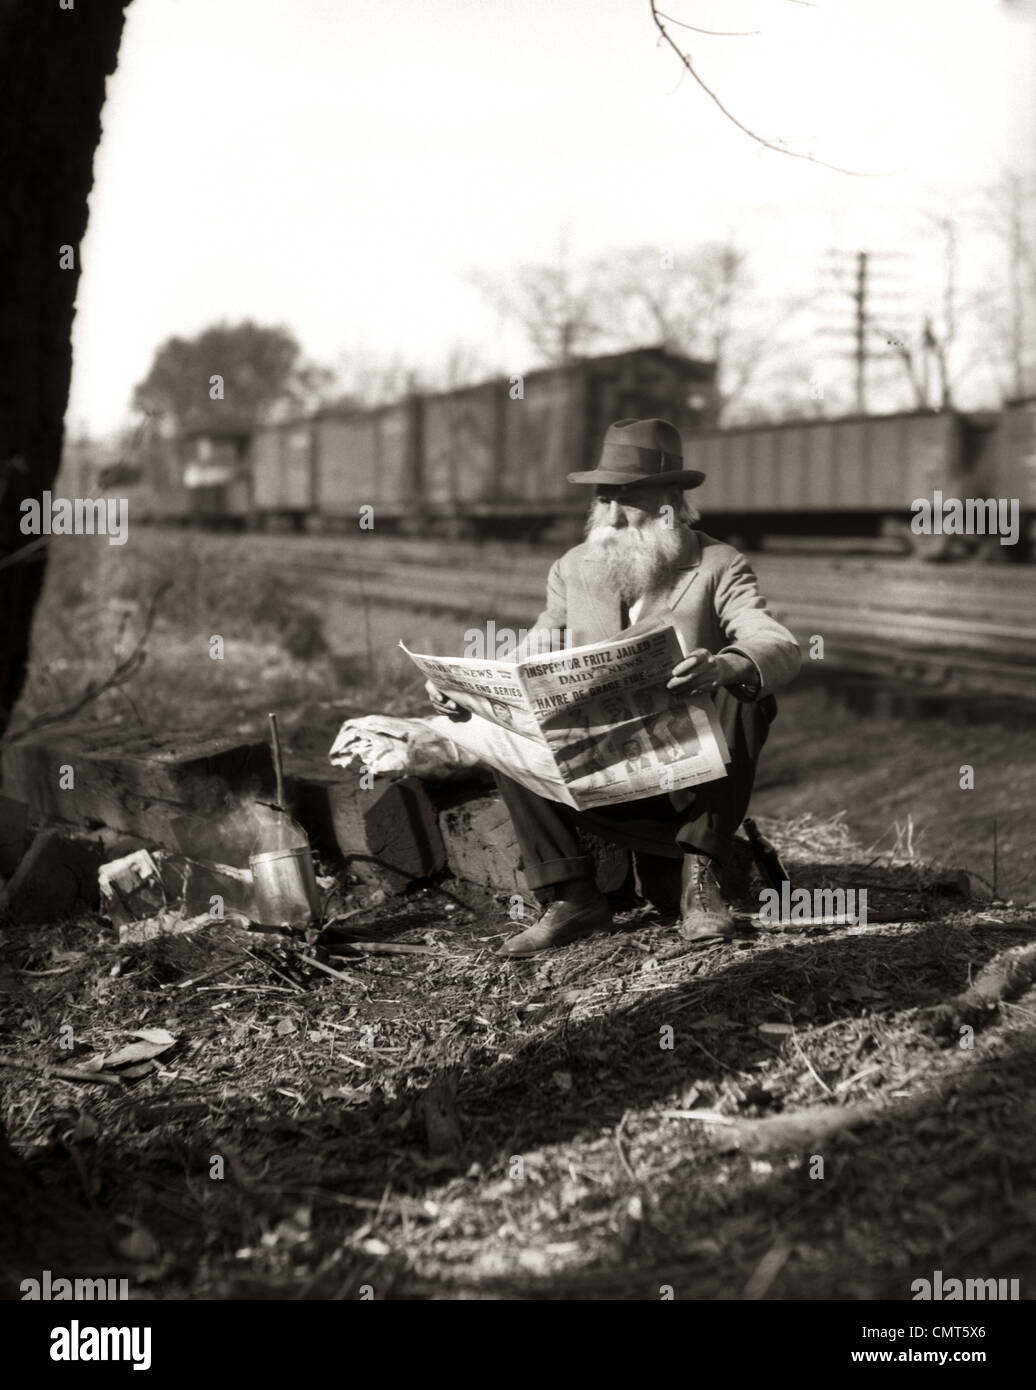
column 286, row 890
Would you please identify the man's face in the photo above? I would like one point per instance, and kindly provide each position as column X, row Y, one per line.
column 635, row 504
column 634, row 530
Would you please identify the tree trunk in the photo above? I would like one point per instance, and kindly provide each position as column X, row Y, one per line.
column 53, row 66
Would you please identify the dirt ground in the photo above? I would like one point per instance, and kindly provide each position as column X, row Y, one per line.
column 893, row 769
column 450, row 1125
column 795, row 1115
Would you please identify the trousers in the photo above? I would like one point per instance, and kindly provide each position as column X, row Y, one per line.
column 547, row 831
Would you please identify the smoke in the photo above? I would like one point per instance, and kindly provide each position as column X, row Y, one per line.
column 272, row 829
column 238, row 827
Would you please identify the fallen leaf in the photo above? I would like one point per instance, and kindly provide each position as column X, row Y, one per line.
column 141, row 1051
column 780, row 1029
column 286, row 1026
column 292, row 1230
column 140, row 1069
column 86, row 1127
column 719, row 1022
column 140, row 1244
column 154, row 1035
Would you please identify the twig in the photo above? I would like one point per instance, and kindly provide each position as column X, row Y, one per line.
column 709, row 1117
column 279, row 973
column 23, row 552
column 816, row 1076
column 856, row 1076
column 126, row 668
column 208, row 975
column 98, row 1078
column 753, row 135
column 767, row 1270
column 246, row 989
column 621, row 1151
column 713, row 1058
column 338, row 974
column 714, row 33
column 385, row 948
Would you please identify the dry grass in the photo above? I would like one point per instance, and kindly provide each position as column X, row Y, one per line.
column 588, row 1159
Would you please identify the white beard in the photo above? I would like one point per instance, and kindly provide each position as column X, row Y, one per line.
column 637, row 560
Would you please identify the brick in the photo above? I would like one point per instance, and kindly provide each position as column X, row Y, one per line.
column 56, row 878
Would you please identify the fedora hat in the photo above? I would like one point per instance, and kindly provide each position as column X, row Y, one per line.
column 641, row 451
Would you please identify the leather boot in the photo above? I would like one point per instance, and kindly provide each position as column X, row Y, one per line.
column 575, row 913
column 704, row 913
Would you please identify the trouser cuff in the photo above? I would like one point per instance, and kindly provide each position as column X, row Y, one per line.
column 695, row 839
column 551, row 871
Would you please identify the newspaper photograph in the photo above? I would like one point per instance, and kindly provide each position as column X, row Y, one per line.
column 589, row 725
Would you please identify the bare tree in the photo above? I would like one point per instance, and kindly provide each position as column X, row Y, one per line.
column 937, row 337
column 554, row 303
column 701, row 301
column 1008, row 214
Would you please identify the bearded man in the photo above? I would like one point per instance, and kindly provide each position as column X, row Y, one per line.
column 642, row 558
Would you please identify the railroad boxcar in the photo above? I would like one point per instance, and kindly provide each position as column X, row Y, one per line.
column 367, row 458
column 216, row 477
column 494, row 457
column 462, row 439
column 283, row 474
column 851, row 477
column 1012, row 466
column 165, row 499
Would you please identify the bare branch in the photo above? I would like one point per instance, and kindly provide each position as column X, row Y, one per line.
column 24, row 552
column 714, row 33
column 777, row 146
column 906, row 356
column 121, row 673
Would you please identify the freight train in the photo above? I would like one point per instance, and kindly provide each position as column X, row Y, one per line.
column 491, row 460
column 484, row 460
column 860, row 476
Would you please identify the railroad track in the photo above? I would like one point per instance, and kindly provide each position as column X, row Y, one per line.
column 966, row 629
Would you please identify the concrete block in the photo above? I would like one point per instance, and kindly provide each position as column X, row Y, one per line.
column 14, row 833
column 178, row 790
column 481, row 847
column 388, row 834
column 57, row 878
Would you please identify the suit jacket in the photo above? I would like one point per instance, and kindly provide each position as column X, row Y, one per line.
column 714, row 602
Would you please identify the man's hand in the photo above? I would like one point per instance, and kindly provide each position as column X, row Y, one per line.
column 702, row 672
column 442, row 703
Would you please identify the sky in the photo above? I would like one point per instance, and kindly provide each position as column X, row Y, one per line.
column 342, row 166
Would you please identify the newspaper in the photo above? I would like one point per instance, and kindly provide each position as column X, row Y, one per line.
column 588, row 726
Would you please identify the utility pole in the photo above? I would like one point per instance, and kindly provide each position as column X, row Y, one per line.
column 860, row 285
column 860, row 298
